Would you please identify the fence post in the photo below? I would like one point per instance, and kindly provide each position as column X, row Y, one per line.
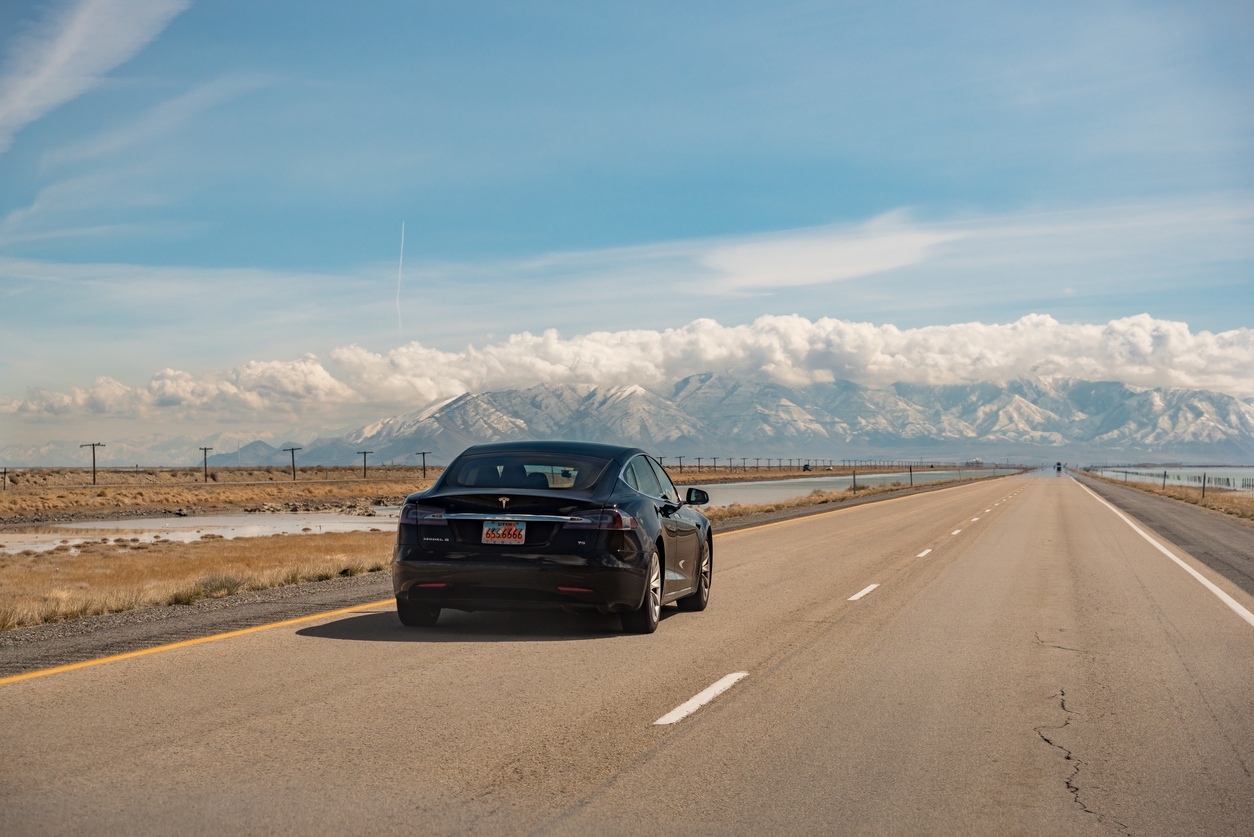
column 855, row 481
column 1203, row 485
column 1164, row 480
column 912, row 476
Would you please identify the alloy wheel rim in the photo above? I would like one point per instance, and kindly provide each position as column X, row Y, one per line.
column 705, row 571
column 655, row 591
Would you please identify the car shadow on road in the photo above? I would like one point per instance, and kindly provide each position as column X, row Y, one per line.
column 455, row 626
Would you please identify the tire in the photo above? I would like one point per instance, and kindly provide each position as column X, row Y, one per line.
column 644, row 619
column 705, row 576
column 416, row 615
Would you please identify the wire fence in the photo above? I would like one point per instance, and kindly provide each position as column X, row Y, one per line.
column 1241, row 482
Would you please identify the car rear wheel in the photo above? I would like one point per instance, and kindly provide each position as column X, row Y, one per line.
column 698, row 600
column 416, row 615
column 644, row 619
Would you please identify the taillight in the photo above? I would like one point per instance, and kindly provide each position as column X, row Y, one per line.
column 413, row 513
column 604, row 519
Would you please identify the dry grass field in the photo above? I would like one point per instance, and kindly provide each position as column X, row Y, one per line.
column 1218, row 499
column 81, row 477
column 116, row 574
column 52, row 499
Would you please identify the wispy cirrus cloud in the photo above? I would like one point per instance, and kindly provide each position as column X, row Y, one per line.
column 70, row 52
column 159, row 121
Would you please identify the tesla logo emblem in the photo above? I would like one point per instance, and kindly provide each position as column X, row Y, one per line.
column 503, row 500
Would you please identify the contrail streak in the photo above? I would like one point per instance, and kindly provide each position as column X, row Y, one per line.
column 400, row 265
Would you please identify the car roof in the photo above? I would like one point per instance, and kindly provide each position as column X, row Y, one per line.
column 596, row 449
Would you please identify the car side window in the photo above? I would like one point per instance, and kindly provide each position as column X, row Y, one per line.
column 629, row 476
column 669, row 492
column 646, row 480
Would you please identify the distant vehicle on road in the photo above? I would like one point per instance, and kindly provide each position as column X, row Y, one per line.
column 1057, row 467
column 805, row 467
column 568, row 525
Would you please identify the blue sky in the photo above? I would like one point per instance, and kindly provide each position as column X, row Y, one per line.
column 201, row 186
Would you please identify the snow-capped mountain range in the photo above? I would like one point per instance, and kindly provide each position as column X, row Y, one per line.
column 715, row 415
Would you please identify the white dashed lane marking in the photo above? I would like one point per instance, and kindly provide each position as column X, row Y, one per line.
column 924, row 552
column 862, row 592
column 700, row 699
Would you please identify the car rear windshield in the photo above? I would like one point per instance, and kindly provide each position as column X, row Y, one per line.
column 547, row 471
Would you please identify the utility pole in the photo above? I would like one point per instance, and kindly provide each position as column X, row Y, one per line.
column 205, row 451
column 364, row 454
column 423, row 454
column 292, row 451
column 699, row 458
column 93, row 446
column 757, row 464
column 681, row 464
column 743, row 460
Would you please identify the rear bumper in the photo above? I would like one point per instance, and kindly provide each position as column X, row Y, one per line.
column 492, row 582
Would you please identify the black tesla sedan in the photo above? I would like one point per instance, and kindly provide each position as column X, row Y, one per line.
column 552, row 524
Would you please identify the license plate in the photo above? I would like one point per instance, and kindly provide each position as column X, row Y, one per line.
column 504, row 531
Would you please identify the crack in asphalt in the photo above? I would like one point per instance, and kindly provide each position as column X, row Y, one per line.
column 1037, row 634
column 1073, row 786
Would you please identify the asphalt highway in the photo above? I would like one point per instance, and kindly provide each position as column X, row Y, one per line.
column 1008, row 657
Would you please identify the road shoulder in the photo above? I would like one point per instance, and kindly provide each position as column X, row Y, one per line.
column 1223, row 544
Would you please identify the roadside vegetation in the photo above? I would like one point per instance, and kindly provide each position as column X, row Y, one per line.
column 1217, row 499
column 117, row 574
column 42, row 500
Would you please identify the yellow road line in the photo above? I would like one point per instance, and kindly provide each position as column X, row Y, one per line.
column 845, row 509
column 128, row 655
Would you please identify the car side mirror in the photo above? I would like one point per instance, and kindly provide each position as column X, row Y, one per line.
column 697, row 497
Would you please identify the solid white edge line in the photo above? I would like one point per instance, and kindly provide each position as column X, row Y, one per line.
column 700, row 699
column 1223, row 597
column 862, row 592
column 924, row 552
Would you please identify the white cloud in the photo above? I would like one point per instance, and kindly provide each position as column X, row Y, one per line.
column 258, row 389
column 796, row 351
column 824, row 255
column 790, row 350
column 72, row 51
